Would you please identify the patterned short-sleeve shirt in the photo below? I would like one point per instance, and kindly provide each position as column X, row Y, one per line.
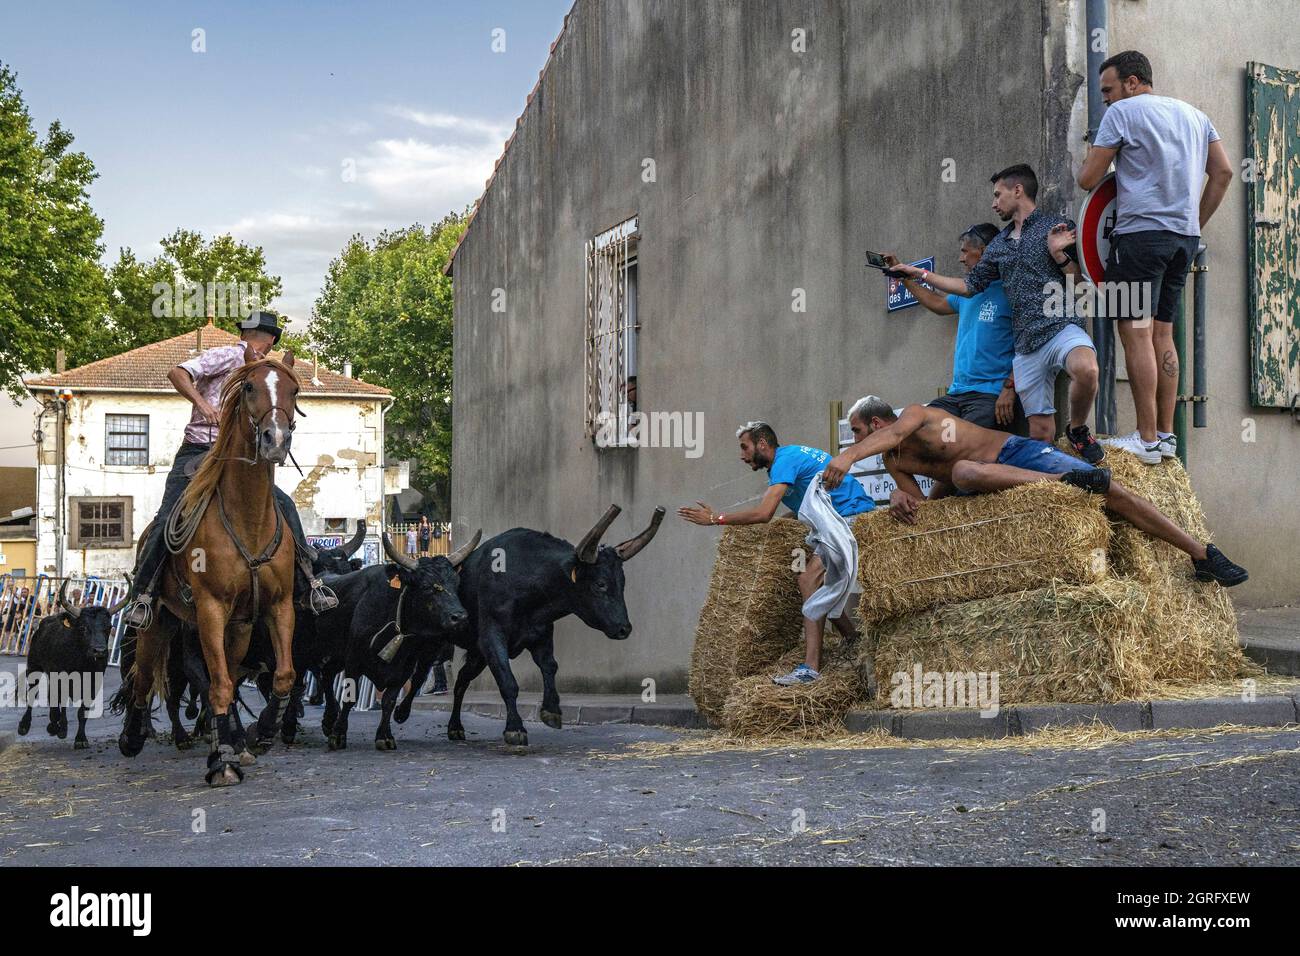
column 1030, row 276
column 210, row 369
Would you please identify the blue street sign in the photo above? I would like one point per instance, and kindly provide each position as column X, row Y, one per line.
column 899, row 297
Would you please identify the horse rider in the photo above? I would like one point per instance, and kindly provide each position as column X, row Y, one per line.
column 200, row 380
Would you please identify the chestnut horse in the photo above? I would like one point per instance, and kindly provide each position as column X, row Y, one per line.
column 231, row 562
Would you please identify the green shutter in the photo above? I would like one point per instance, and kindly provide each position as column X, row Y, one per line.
column 1273, row 241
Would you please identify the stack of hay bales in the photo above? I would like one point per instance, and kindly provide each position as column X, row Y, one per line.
column 1034, row 583
column 1129, row 622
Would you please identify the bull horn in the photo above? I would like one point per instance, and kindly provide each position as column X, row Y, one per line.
column 351, row 547
column 590, row 543
column 631, row 546
column 460, row 554
column 73, row 611
column 125, row 597
column 394, row 555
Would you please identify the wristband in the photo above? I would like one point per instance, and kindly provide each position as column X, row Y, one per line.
column 720, row 519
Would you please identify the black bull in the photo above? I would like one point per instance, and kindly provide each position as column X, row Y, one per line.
column 515, row 587
column 69, row 645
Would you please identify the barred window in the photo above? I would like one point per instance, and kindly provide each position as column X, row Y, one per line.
column 126, row 439
column 612, row 328
column 100, row 523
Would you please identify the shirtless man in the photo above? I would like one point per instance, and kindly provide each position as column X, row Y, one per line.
column 965, row 459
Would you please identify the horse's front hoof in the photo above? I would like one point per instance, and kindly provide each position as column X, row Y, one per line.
column 402, row 713
column 130, row 746
column 385, row 743
column 455, row 733
column 51, row 728
column 182, row 740
column 191, row 711
column 338, row 742
column 259, row 745
column 288, row 736
column 552, row 719
column 517, row 738
column 247, row 758
column 81, row 743
column 24, row 725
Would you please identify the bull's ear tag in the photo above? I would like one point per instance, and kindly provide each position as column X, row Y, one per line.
column 395, row 582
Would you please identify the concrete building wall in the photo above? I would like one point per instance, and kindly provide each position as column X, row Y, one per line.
column 338, row 443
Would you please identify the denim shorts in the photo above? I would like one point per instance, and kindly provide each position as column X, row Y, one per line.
column 1036, row 372
column 1033, row 455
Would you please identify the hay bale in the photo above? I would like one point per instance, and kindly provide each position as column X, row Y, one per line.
column 752, row 613
column 1060, row 643
column 1195, row 635
column 968, row 548
column 756, row 708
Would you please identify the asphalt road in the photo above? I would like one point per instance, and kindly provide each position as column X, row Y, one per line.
column 1228, row 798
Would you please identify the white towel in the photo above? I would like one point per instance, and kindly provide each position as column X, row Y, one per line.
column 832, row 540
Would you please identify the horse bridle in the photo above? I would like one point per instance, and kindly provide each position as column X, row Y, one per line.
column 256, row 424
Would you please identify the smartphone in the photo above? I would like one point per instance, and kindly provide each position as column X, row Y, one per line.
column 877, row 261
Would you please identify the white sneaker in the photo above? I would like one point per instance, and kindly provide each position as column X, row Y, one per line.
column 803, row 674
column 1168, row 446
column 1134, row 445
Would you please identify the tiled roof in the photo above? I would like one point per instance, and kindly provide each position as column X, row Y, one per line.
column 451, row 259
column 146, row 368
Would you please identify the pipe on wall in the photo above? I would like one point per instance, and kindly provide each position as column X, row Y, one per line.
column 1199, row 385
column 1097, row 42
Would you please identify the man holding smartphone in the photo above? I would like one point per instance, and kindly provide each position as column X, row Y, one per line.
column 1032, row 257
column 982, row 390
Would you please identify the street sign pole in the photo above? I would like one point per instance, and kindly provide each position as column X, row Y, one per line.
column 1095, row 222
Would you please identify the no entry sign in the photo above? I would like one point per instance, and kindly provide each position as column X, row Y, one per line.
column 1096, row 220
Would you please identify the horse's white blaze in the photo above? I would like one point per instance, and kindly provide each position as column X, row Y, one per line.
column 277, row 426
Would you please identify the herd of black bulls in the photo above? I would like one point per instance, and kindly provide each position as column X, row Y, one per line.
column 393, row 621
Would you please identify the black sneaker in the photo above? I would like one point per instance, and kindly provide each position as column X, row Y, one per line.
column 1082, row 441
column 1095, row 481
column 1217, row 567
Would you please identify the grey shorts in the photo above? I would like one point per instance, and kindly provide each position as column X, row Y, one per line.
column 1036, row 372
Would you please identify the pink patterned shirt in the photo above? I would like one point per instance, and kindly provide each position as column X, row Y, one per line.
column 210, row 369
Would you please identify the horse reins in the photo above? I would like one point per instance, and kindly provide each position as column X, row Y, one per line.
column 253, row 562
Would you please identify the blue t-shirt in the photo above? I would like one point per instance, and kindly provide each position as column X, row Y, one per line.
column 986, row 343
column 798, row 465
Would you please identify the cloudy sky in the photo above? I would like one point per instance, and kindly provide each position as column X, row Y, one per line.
column 298, row 125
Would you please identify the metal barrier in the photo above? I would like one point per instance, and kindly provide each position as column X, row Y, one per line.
column 24, row 601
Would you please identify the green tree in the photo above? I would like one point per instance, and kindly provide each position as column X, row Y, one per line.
column 193, row 278
column 386, row 308
column 52, row 289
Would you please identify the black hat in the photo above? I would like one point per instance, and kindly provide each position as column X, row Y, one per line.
column 264, row 322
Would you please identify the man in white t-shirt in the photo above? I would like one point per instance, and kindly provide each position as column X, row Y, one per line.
column 1163, row 150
